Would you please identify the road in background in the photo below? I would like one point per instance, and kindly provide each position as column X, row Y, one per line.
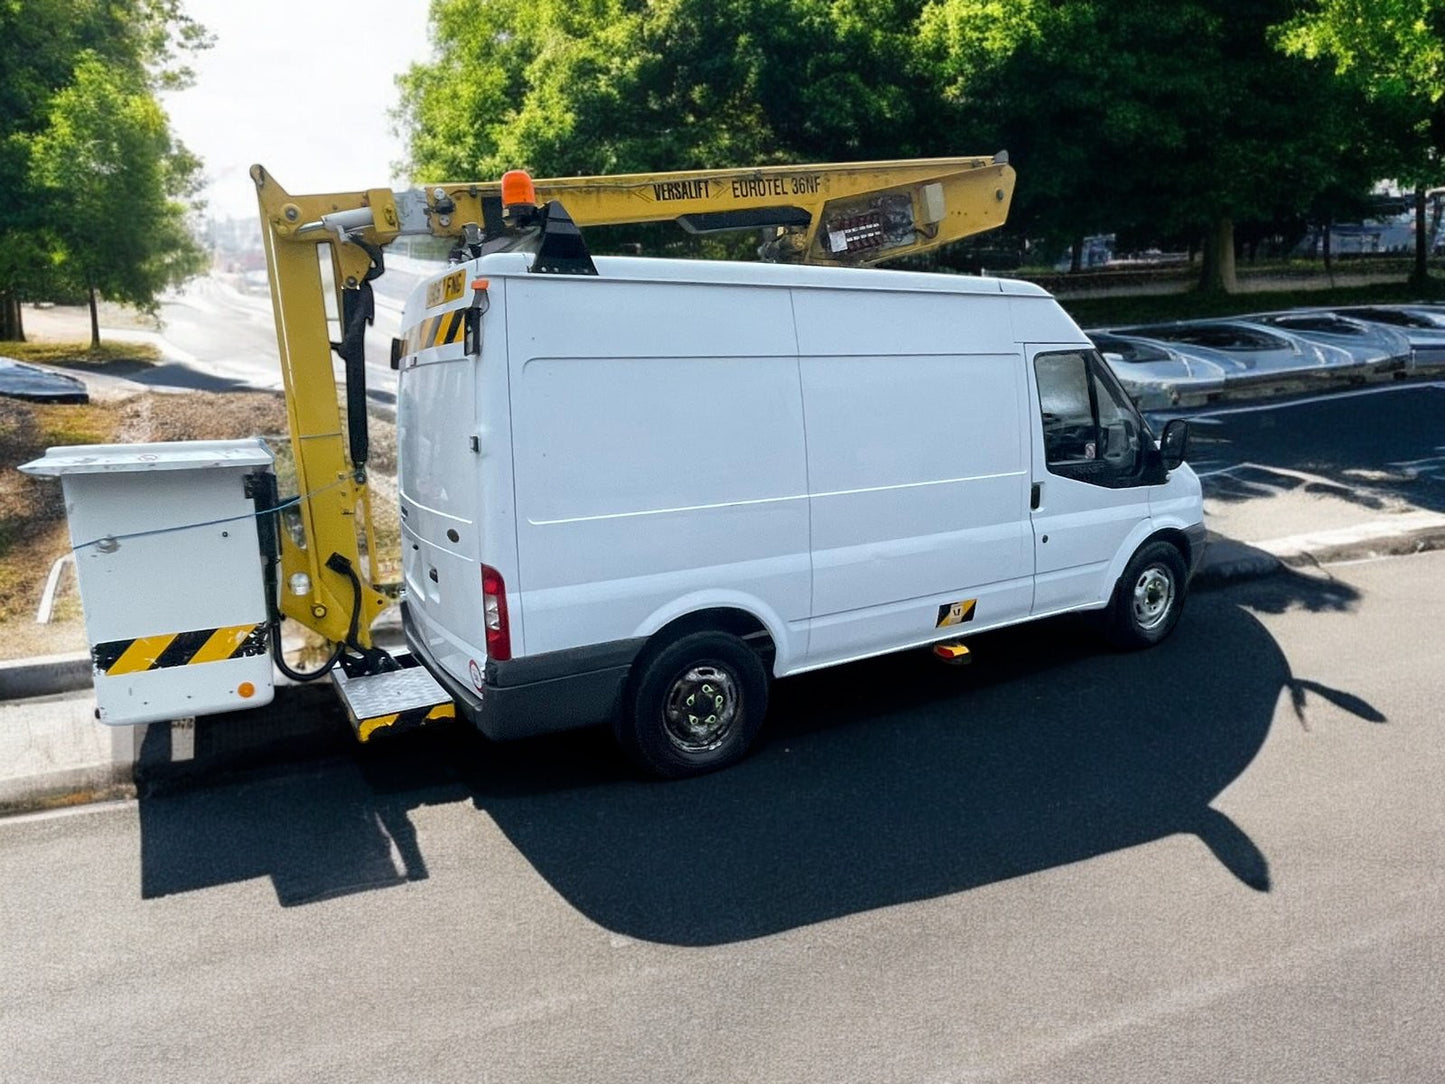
column 1220, row 859
column 223, row 327
column 218, row 333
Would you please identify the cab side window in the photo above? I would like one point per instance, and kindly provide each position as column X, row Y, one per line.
column 1091, row 430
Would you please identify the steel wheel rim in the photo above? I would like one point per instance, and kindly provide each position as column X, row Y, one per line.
column 1153, row 597
column 701, row 708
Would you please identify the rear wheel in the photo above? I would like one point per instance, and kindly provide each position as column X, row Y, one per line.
column 693, row 705
column 1148, row 597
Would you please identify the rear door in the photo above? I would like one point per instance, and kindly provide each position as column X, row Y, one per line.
column 441, row 492
column 1090, row 475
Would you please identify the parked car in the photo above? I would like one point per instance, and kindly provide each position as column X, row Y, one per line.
column 1156, row 375
column 1375, row 347
column 1423, row 325
column 1261, row 357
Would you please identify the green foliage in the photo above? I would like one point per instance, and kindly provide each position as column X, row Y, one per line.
column 1394, row 52
column 1122, row 116
column 1395, row 47
column 108, row 163
column 606, row 86
column 1170, row 121
column 95, row 187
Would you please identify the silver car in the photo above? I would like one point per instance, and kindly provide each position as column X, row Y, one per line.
column 1260, row 358
column 1156, row 375
column 1423, row 325
column 1375, row 347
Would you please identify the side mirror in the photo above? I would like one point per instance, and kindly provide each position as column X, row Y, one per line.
column 1174, row 445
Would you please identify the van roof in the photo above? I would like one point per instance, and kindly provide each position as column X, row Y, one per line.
column 738, row 273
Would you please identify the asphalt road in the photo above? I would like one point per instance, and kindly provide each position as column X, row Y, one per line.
column 1369, row 445
column 1223, row 859
column 221, row 336
column 230, row 334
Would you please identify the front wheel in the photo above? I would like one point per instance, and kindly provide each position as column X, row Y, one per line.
column 1148, row 597
column 694, row 705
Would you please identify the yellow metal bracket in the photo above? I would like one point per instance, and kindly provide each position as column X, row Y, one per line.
column 334, row 511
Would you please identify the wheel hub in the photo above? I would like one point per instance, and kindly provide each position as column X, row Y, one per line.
column 1153, row 597
column 701, row 708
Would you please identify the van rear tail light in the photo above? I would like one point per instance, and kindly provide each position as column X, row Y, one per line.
column 494, row 615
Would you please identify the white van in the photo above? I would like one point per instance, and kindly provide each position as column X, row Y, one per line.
column 635, row 496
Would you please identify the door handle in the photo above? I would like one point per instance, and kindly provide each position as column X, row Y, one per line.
column 1036, row 493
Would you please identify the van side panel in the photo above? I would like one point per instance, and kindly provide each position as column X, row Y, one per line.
column 918, row 459
column 659, row 457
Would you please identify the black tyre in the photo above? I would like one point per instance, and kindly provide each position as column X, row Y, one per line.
column 1148, row 597
column 693, row 705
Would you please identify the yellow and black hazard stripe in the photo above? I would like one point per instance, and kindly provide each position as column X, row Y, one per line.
column 402, row 720
column 145, row 653
column 956, row 613
column 449, row 327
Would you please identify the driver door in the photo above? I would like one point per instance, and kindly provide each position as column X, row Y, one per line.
column 1090, row 476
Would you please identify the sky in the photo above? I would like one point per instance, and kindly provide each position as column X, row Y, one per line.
column 301, row 86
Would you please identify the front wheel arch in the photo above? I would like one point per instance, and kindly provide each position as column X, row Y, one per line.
column 1149, row 595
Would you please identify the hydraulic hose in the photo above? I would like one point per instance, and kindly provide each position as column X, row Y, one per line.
column 336, row 563
column 298, row 675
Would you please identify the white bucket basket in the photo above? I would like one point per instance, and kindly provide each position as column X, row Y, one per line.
column 171, row 576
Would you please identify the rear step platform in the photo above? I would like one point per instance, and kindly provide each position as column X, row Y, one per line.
column 394, row 701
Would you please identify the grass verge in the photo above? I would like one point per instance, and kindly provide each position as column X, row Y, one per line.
column 78, row 355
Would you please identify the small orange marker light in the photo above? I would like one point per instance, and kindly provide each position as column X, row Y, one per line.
column 517, row 188
column 246, row 689
column 481, row 284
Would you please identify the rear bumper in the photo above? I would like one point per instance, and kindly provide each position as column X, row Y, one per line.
column 539, row 694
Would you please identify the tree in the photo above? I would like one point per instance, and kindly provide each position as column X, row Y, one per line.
column 1394, row 51
column 602, row 86
column 108, row 164
column 45, row 46
column 1172, row 117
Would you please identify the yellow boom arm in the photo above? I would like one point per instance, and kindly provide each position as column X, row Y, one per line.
column 840, row 214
